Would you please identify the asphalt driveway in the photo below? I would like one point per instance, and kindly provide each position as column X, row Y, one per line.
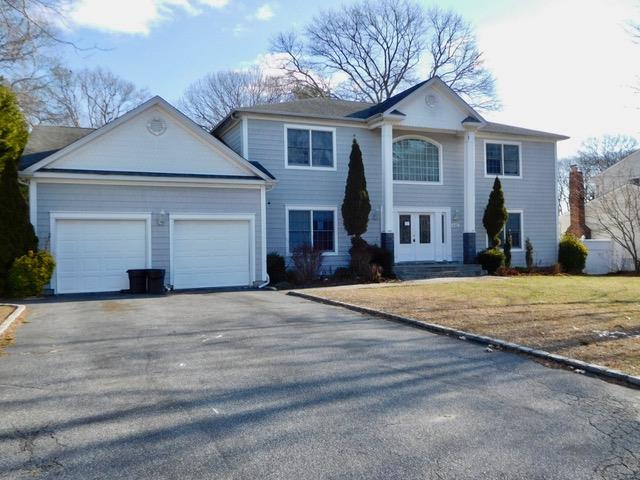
column 259, row 385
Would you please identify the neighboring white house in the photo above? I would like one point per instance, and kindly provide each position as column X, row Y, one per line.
column 152, row 189
column 611, row 221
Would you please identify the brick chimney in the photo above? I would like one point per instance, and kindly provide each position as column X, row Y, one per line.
column 576, row 204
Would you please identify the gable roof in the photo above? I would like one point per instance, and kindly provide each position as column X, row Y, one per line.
column 626, row 162
column 51, row 143
column 45, row 140
column 361, row 112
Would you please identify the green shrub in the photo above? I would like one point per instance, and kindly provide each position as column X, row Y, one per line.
column 382, row 257
column 360, row 258
column 528, row 247
column 276, row 268
column 572, row 254
column 30, row 273
column 491, row 259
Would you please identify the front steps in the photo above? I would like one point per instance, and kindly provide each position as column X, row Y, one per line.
column 420, row 270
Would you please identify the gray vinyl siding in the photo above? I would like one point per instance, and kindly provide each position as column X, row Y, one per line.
column 449, row 194
column 57, row 197
column 232, row 138
column 315, row 187
column 534, row 193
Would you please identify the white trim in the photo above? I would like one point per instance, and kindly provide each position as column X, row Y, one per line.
column 440, row 161
column 515, row 138
column 386, row 154
column 178, row 116
column 126, row 180
column 33, row 203
column 245, row 138
column 522, row 237
column 53, row 230
column 251, row 218
column 311, row 209
column 310, row 128
column 502, row 142
column 398, row 209
column 263, row 230
column 469, row 181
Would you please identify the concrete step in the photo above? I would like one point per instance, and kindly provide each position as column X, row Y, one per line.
column 420, row 270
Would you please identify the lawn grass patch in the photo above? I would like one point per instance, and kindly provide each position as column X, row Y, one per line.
column 594, row 319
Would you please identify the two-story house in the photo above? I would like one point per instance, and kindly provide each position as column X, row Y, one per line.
column 153, row 189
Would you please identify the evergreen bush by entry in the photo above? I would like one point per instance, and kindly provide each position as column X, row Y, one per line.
column 491, row 259
column 276, row 268
column 30, row 273
column 356, row 205
column 495, row 214
column 572, row 254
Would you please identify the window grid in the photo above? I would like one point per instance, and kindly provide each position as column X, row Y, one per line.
column 416, row 160
column 514, row 227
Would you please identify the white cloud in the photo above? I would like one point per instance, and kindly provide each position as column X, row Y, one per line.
column 132, row 16
column 264, row 13
column 566, row 67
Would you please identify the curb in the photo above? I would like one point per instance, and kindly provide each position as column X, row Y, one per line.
column 592, row 368
column 19, row 310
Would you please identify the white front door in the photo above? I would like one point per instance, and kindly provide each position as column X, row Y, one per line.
column 421, row 236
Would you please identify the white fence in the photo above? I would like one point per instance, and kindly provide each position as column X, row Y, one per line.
column 600, row 259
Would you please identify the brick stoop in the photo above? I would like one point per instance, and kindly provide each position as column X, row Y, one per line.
column 420, row 270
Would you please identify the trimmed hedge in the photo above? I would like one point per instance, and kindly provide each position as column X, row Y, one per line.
column 30, row 273
column 276, row 268
column 491, row 259
column 572, row 254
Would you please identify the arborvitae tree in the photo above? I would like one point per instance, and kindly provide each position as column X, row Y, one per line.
column 13, row 129
column 356, row 205
column 495, row 214
column 16, row 232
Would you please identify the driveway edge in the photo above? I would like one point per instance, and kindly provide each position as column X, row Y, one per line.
column 592, row 368
column 19, row 310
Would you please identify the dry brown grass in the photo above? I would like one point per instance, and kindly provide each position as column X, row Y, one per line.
column 573, row 316
column 8, row 337
column 5, row 311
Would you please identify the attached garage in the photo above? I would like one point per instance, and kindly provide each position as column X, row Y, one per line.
column 212, row 251
column 94, row 251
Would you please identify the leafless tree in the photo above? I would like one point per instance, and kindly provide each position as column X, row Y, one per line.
column 88, row 98
column 594, row 156
column 457, row 60
column 371, row 49
column 618, row 216
column 211, row 98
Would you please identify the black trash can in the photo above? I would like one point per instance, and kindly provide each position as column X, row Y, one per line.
column 137, row 281
column 155, row 281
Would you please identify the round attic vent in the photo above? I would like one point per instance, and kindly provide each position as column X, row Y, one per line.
column 157, row 126
column 431, row 101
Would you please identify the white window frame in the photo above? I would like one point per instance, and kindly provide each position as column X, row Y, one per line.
column 310, row 128
column 503, row 143
column 522, row 237
column 440, row 163
column 311, row 209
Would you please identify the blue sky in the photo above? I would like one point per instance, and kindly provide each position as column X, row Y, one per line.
column 561, row 65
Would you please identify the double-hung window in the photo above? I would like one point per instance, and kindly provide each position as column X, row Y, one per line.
column 310, row 147
column 314, row 227
column 503, row 159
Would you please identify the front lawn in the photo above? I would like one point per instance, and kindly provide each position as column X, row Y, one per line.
column 595, row 319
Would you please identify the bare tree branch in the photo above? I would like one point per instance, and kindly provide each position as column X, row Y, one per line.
column 210, row 99
column 368, row 50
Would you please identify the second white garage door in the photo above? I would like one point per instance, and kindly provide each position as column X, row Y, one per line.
column 211, row 253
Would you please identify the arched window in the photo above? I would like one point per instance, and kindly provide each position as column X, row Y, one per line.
column 416, row 160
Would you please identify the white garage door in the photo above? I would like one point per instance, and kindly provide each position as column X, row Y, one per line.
column 211, row 253
column 94, row 255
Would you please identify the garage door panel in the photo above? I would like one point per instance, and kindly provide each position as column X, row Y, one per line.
column 94, row 255
column 211, row 253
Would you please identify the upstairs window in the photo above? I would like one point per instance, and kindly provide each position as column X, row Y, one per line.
column 502, row 159
column 416, row 160
column 310, row 147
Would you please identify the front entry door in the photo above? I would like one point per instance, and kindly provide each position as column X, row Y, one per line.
column 416, row 235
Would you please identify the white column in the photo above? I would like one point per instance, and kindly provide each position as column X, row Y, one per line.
column 387, row 177
column 33, row 202
column 470, row 181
